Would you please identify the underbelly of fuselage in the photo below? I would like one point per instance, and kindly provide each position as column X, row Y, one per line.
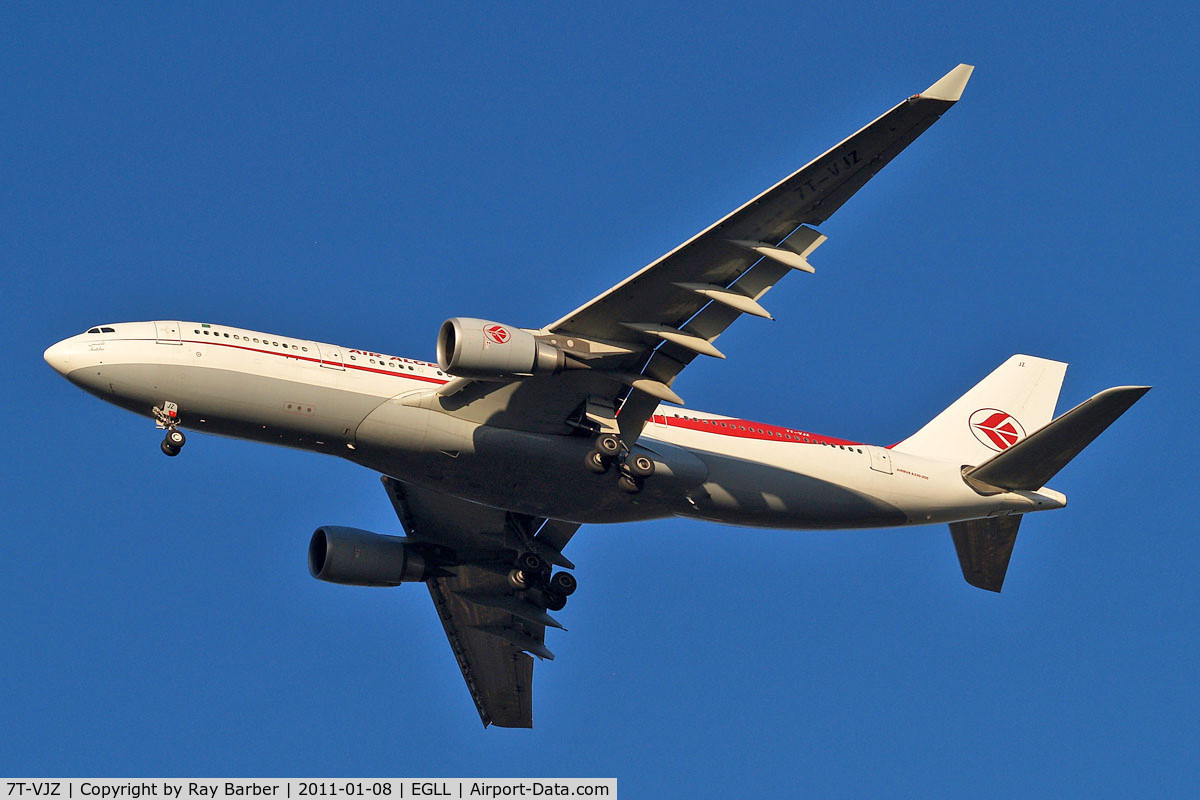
column 531, row 473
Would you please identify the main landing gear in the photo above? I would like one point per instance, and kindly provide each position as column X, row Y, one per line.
column 634, row 467
column 168, row 417
column 533, row 573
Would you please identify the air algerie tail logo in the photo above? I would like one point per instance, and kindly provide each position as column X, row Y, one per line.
column 997, row 430
column 497, row 333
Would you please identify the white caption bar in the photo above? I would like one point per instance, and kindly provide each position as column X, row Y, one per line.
column 317, row 789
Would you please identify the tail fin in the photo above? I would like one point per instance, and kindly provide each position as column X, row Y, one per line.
column 1015, row 400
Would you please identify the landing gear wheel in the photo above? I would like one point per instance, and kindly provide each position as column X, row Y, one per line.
column 608, row 445
column 517, row 579
column 176, row 438
column 564, row 584
column 531, row 563
column 629, row 484
column 639, row 466
column 533, row 569
column 555, row 601
column 168, row 448
column 596, row 462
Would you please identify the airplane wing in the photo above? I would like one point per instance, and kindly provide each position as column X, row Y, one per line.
column 639, row 335
column 492, row 628
column 678, row 305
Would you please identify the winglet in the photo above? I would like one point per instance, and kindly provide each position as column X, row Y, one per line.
column 951, row 85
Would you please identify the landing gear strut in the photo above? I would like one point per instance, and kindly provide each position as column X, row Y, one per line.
column 168, row 417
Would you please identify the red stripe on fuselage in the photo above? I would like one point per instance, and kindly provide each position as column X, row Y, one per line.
column 745, row 429
column 298, row 357
column 346, row 364
column 737, row 428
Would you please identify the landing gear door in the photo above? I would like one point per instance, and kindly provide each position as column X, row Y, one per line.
column 881, row 459
column 168, row 332
column 331, row 356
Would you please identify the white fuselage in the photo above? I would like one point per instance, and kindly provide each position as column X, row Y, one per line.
column 383, row 412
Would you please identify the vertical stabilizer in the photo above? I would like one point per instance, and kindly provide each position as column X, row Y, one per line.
column 1001, row 410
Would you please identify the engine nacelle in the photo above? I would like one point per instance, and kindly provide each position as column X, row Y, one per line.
column 362, row 558
column 477, row 348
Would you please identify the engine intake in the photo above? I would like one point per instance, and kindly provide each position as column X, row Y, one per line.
column 361, row 558
column 478, row 348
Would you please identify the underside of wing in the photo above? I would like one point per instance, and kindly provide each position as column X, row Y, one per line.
column 492, row 624
column 491, row 645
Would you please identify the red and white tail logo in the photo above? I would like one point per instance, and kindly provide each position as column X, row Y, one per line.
column 997, row 430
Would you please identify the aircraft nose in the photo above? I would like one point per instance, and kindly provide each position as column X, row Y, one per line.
column 59, row 355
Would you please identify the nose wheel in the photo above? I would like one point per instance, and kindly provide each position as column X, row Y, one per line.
column 173, row 442
column 168, row 417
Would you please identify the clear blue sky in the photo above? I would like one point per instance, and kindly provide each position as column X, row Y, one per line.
column 359, row 172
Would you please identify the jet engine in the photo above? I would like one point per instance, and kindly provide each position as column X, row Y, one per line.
column 477, row 348
column 361, row 558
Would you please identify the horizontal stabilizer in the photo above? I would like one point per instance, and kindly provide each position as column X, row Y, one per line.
column 1032, row 462
column 984, row 547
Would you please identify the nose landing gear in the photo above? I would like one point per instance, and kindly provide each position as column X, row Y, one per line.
column 168, row 417
column 173, row 442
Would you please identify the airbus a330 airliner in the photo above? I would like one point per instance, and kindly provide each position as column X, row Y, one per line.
column 496, row 454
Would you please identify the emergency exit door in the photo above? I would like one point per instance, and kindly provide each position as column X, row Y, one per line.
column 168, row 332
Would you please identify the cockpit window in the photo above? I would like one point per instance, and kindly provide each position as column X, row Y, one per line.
column 107, row 330
column 93, row 330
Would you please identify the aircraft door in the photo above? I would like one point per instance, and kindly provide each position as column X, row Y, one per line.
column 167, row 332
column 331, row 356
column 881, row 459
